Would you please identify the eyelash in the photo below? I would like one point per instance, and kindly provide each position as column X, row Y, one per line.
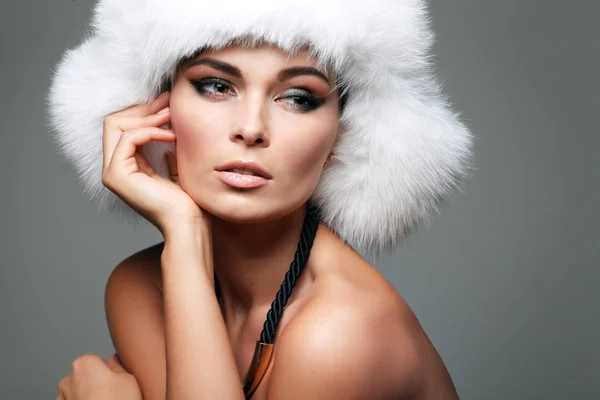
column 201, row 83
column 308, row 102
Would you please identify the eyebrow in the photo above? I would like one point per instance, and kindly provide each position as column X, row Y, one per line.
column 297, row 71
column 234, row 71
column 219, row 65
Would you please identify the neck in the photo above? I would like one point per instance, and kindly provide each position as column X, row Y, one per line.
column 251, row 260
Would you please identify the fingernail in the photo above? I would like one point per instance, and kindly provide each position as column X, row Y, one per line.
column 163, row 111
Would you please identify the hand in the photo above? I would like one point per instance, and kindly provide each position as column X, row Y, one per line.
column 92, row 378
column 128, row 174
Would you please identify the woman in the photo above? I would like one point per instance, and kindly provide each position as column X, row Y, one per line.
column 287, row 132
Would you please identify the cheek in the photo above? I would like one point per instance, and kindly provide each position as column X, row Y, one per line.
column 196, row 134
column 307, row 147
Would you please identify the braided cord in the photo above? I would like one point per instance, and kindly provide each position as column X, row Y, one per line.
column 307, row 237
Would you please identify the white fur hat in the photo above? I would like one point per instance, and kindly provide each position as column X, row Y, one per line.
column 401, row 150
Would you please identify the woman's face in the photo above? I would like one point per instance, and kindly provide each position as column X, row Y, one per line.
column 255, row 105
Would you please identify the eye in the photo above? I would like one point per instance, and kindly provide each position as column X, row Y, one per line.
column 212, row 87
column 301, row 100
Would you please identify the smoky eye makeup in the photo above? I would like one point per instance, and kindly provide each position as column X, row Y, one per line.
column 212, row 87
column 301, row 99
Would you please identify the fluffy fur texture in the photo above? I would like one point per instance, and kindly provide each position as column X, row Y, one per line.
column 402, row 150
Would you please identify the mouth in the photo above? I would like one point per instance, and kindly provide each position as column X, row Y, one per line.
column 242, row 172
column 245, row 168
column 241, row 181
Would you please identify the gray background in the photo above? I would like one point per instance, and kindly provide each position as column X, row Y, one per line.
column 504, row 281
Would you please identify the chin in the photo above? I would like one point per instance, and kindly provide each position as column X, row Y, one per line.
column 241, row 208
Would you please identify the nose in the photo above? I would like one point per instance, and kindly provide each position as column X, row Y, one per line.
column 250, row 122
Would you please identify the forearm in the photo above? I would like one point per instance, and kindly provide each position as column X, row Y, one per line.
column 200, row 361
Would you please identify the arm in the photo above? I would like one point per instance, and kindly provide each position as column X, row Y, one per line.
column 136, row 314
column 200, row 360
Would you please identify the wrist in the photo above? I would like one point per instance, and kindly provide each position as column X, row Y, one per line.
column 186, row 230
column 187, row 245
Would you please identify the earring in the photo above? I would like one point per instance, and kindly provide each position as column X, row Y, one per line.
column 327, row 161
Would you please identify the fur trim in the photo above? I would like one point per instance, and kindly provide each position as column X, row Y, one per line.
column 401, row 150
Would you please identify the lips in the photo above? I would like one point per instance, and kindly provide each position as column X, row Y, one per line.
column 245, row 168
column 242, row 172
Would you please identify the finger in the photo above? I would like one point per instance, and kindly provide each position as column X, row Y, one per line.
column 127, row 122
column 115, row 364
column 129, row 142
column 114, row 126
column 63, row 386
column 152, row 107
column 172, row 166
column 143, row 163
column 86, row 363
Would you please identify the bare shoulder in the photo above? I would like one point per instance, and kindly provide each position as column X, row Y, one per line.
column 133, row 305
column 143, row 264
column 356, row 339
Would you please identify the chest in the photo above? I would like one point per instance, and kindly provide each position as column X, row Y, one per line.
column 243, row 346
column 243, row 335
